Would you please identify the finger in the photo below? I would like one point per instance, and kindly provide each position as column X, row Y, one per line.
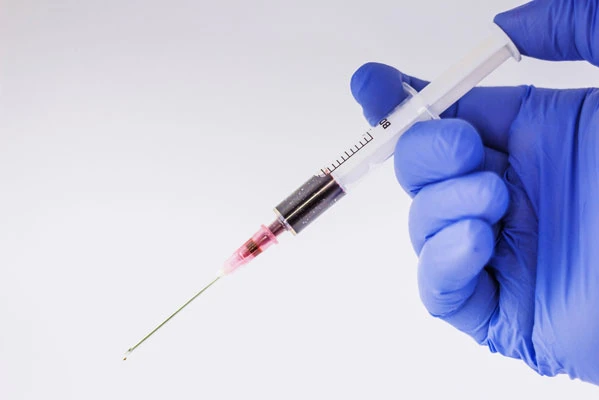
column 378, row 89
column 515, row 272
column 436, row 150
column 495, row 161
column 480, row 195
column 555, row 29
column 452, row 281
column 491, row 110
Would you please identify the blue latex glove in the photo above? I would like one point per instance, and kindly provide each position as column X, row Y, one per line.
column 505, row 216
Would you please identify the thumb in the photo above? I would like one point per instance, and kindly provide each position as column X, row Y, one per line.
column 555, row 30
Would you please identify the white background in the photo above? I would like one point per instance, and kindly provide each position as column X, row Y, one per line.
column 141, row 141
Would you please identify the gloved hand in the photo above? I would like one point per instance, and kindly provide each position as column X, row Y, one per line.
column 505, row 215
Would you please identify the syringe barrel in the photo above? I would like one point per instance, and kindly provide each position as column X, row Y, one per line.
column 455, row 82
column 322, row 191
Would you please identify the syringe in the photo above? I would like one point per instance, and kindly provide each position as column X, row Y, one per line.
column 334, row 180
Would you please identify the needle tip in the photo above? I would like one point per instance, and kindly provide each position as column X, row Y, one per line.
column 169, row 318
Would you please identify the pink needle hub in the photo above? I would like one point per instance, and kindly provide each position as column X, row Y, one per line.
column 260, row 241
